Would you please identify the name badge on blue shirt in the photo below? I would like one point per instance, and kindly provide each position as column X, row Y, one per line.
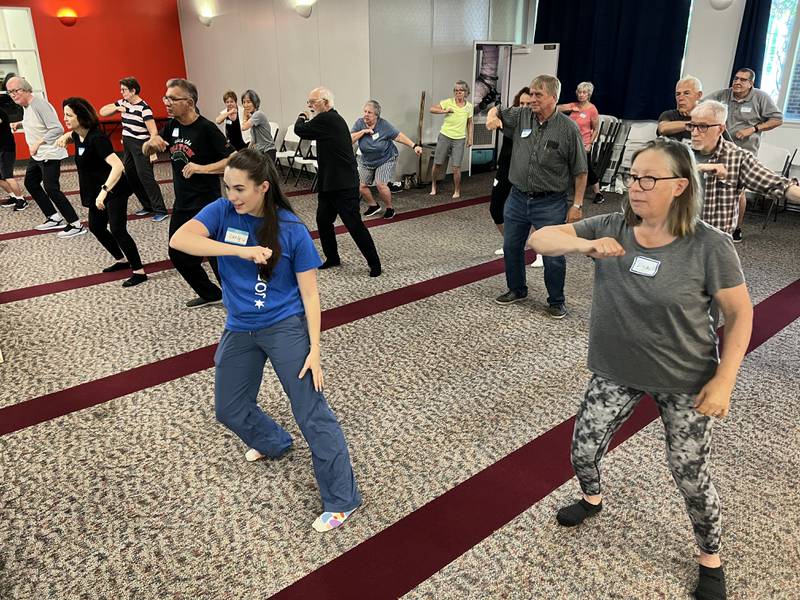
column 525, row 133
column 645, row 266
column 236, row 236
column 375, row 136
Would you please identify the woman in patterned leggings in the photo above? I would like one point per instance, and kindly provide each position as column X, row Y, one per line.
column 657, row 270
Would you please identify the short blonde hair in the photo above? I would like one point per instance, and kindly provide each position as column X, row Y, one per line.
column 586, row 86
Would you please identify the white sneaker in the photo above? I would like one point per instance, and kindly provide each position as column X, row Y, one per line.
column 51, row 224
column 71, row 231
column 253, row 455
column 499, row 252
column 538, row 263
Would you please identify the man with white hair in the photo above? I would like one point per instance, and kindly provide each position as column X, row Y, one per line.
column 337, row 179
column 42, row 129
column 727, row 170
column 672, row 123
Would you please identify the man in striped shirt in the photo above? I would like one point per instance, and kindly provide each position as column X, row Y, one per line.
column 726, row 169
column 138, row 126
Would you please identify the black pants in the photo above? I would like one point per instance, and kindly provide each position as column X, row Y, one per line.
column 139, row 171
column 118, row 241
column 343, row 203
column 191, row 267
column 49, row 172
column 500, row 193
column 591, row 176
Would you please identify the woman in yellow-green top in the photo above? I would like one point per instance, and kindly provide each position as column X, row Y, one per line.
column 455, row 132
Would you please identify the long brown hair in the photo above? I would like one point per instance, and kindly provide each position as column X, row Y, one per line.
column 685, row 209
column 259, row 168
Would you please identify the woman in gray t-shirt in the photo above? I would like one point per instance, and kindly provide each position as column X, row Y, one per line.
column 257, row 123
column 657, row 270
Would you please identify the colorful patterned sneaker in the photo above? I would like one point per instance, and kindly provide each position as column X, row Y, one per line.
column 331, row 520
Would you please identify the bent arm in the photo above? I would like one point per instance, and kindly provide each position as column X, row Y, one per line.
column 117, row 168
column 671, row 127
column 405, row 140
column 107, row 110
column 193, row 238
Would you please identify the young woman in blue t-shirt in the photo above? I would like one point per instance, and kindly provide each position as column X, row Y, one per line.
column 268, row 267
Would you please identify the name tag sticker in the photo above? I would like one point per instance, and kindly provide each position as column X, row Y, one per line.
column 175, row 132
column 81, row 151
column 525, row 133
column 747, row 109
column 375, row 136
column 583, row 115
column 236, row 236
column 645, row 266
column 228, row 122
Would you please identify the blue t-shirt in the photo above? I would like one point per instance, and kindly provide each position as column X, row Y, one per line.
column 253, row 303
column 379, row 147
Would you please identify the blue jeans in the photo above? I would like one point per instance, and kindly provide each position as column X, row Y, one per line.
column 240, row 360
column 520, row 214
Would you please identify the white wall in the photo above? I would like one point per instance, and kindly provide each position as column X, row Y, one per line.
column 711, row 45
column 265, row 45
column 418, row 45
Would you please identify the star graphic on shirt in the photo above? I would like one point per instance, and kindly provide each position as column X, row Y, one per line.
column 259, row 304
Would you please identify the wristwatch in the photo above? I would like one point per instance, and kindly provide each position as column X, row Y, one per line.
column 104, row 188
column 578, row 206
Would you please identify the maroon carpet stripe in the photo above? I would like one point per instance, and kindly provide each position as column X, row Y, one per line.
column 60, row 403
column 74, row 283
column 399, row 558
column 13, row 235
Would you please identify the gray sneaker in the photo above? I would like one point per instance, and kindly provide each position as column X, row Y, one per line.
column 51, row 224
column 557, row 311
column 509, row 298
column 70, row 231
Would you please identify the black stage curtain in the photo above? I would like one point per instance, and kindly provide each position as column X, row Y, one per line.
column 630, row 50
column 753, row 38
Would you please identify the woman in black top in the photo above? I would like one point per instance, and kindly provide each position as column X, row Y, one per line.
column 230, row 116
column 104, row 188
column 502, row 186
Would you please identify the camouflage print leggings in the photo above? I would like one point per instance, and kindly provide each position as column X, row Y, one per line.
column 605, row 407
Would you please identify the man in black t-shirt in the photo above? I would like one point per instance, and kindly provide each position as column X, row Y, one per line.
column 672, row 123
column 198, row 152
column 337, row 179
column 8, row 156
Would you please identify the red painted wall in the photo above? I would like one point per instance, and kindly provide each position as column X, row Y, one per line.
column 112, row 39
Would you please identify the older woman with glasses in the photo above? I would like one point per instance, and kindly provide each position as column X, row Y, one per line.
column 659, row 268
column 375, row 137
column 587, row 118
column 456, row 132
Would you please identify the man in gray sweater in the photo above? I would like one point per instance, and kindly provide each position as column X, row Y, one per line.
column 42, row 129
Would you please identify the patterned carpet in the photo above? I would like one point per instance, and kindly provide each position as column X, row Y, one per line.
column 147, row 496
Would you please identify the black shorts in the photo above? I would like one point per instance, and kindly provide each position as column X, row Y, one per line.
column 7, row 160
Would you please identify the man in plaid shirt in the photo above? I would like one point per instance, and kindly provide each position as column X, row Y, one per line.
column 726, row 169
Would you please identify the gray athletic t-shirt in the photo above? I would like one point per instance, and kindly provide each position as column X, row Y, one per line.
column 260, row 131
column 651, row 327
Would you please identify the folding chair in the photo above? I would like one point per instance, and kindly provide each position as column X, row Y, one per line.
column 286, row 154
column 309, row 160
column 785, row 170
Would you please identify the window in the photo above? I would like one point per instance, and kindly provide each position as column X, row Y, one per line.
column 780, row 74
column 18, row 51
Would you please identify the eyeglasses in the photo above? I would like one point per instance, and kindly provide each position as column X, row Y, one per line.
column 12, row 92
column 646, row 182
column 701, row 127
column 312, row 102
column 744, row 79
column 169, row 100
